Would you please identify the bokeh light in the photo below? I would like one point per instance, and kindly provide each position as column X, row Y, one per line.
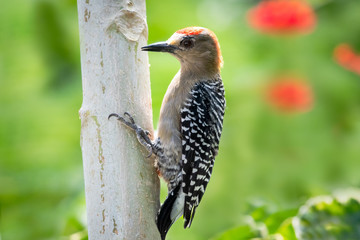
column 290, row 95
column 282, row 17
column 345, row 56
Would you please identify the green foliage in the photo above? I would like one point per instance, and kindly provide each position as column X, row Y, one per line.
column 321, row 218
column 330, row 218
column 276, row 226
column 279, row 222
column 286, row 230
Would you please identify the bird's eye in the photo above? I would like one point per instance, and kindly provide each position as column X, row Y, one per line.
column 187, row 43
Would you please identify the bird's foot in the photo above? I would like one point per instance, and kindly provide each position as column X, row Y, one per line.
column 141, row 134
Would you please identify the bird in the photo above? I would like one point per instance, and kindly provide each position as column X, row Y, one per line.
column 190, row 123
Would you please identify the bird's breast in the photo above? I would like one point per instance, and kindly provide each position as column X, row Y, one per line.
column 169, row 126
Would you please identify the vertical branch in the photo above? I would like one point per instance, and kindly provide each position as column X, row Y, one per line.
column 121, row 185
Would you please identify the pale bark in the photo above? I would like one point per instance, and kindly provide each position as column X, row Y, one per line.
column 121, row 185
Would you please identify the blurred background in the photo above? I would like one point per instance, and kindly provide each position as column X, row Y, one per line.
column 291, row 128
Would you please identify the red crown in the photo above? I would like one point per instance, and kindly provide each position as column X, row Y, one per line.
column 190, row 31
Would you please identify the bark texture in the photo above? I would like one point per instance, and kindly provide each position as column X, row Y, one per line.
column 121, row 185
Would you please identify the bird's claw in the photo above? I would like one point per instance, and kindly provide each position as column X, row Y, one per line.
column 130, row 117
column 113, row 115
column 130, row 123
column 150, row 152
column 142, row 135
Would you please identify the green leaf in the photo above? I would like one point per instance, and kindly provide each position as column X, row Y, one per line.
column 276, row 219
column 330, row 218
column 260, row 213
column 286, row 230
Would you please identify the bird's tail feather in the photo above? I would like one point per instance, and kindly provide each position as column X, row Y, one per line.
column 164, row 219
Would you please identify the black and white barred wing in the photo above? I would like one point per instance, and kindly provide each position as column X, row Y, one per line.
column 201, row 126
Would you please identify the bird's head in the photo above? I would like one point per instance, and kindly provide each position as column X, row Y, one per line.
column 197, row 49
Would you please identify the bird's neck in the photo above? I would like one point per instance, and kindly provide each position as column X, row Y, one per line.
column 198, row 71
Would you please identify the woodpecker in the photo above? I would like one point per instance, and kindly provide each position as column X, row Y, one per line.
column 190, row 123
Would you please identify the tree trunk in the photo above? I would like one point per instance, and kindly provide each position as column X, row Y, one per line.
column 121, row 185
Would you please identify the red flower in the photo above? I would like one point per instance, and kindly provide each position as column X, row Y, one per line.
column 345, row 56
column 282, row 17
column 290, row 94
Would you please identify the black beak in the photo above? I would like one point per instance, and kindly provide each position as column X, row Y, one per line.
column 159, row 47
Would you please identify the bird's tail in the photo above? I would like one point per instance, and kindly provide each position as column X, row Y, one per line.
column 170, row 210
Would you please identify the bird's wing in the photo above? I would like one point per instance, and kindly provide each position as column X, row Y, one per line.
column 201, row 126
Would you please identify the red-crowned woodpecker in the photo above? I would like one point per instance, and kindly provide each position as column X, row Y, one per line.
column 190, row 124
